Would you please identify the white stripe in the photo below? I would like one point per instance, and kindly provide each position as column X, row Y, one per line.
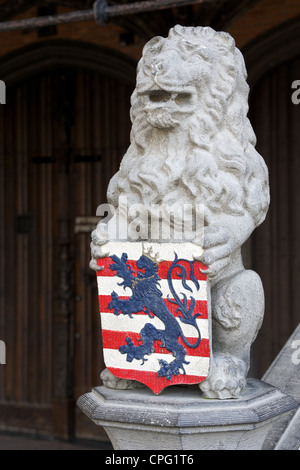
column 165, row 251
column 112, row 322
column 106, row 285
column 113, row 358
column 133, row 249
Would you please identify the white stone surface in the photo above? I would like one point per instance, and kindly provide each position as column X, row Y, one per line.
column 284, row 373
column 290, row 439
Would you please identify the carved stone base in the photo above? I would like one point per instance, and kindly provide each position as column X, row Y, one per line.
column 180, row 419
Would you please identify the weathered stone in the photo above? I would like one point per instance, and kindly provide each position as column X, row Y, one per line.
column 290, row 439
column 179, row 418
column 284, row 373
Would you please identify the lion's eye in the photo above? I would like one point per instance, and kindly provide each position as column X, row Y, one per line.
column 159, row 96
column 183, row 99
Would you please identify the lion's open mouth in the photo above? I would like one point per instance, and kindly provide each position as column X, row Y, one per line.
column 162, row 119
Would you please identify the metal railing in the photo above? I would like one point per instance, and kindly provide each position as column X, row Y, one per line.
column 101, row 13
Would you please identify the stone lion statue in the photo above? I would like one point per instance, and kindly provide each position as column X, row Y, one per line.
column 192, row 142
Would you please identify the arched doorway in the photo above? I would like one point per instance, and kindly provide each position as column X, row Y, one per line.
column 63, row 132
column 273, row 63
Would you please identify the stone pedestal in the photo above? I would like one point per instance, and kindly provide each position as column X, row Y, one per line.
column 180, row 419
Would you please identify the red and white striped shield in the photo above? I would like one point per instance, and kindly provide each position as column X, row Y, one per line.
column 155, row 314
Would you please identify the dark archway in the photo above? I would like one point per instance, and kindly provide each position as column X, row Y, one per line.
column 29, row 61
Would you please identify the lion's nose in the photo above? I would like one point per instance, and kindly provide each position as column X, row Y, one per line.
column 157, row 68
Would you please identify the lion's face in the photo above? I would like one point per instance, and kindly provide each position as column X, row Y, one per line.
column 169, row 84
column 191, row 140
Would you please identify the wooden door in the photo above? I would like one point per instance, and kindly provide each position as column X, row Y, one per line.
column 276, row 247
column 62, row 135
column 100, row 138
column 28, row 223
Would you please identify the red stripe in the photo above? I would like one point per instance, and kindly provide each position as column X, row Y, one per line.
column 163, row 268
column 105, row 299
column 200, row 306
column 107, row 261
column 153, row 381
column 115, row 339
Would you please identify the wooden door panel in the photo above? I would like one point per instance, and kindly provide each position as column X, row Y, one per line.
column 26, row 254
column 276, row 249
column 62, row 135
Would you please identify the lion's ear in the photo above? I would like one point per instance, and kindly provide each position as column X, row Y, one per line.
column 154, row 45
column 227, row 40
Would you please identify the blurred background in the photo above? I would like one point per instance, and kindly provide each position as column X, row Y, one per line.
column 63, row 131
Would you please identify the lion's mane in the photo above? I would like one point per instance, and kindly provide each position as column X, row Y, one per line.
column 219, row 166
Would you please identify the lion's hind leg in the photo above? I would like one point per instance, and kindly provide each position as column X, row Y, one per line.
column 168, row 369
column 237, row 310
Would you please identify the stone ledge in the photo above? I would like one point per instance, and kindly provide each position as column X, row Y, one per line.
column 180, row 418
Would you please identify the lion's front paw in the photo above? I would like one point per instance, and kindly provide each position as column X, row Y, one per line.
column 217, row 249
column 114, row 304
column 100, row 234
column 99, row 239
column 226, row 378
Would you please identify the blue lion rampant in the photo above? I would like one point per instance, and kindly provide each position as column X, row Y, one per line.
column 147, row 297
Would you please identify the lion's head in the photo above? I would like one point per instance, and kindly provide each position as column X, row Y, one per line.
column 191, row 139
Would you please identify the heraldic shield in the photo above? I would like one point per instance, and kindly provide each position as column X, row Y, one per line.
column 155, row 313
